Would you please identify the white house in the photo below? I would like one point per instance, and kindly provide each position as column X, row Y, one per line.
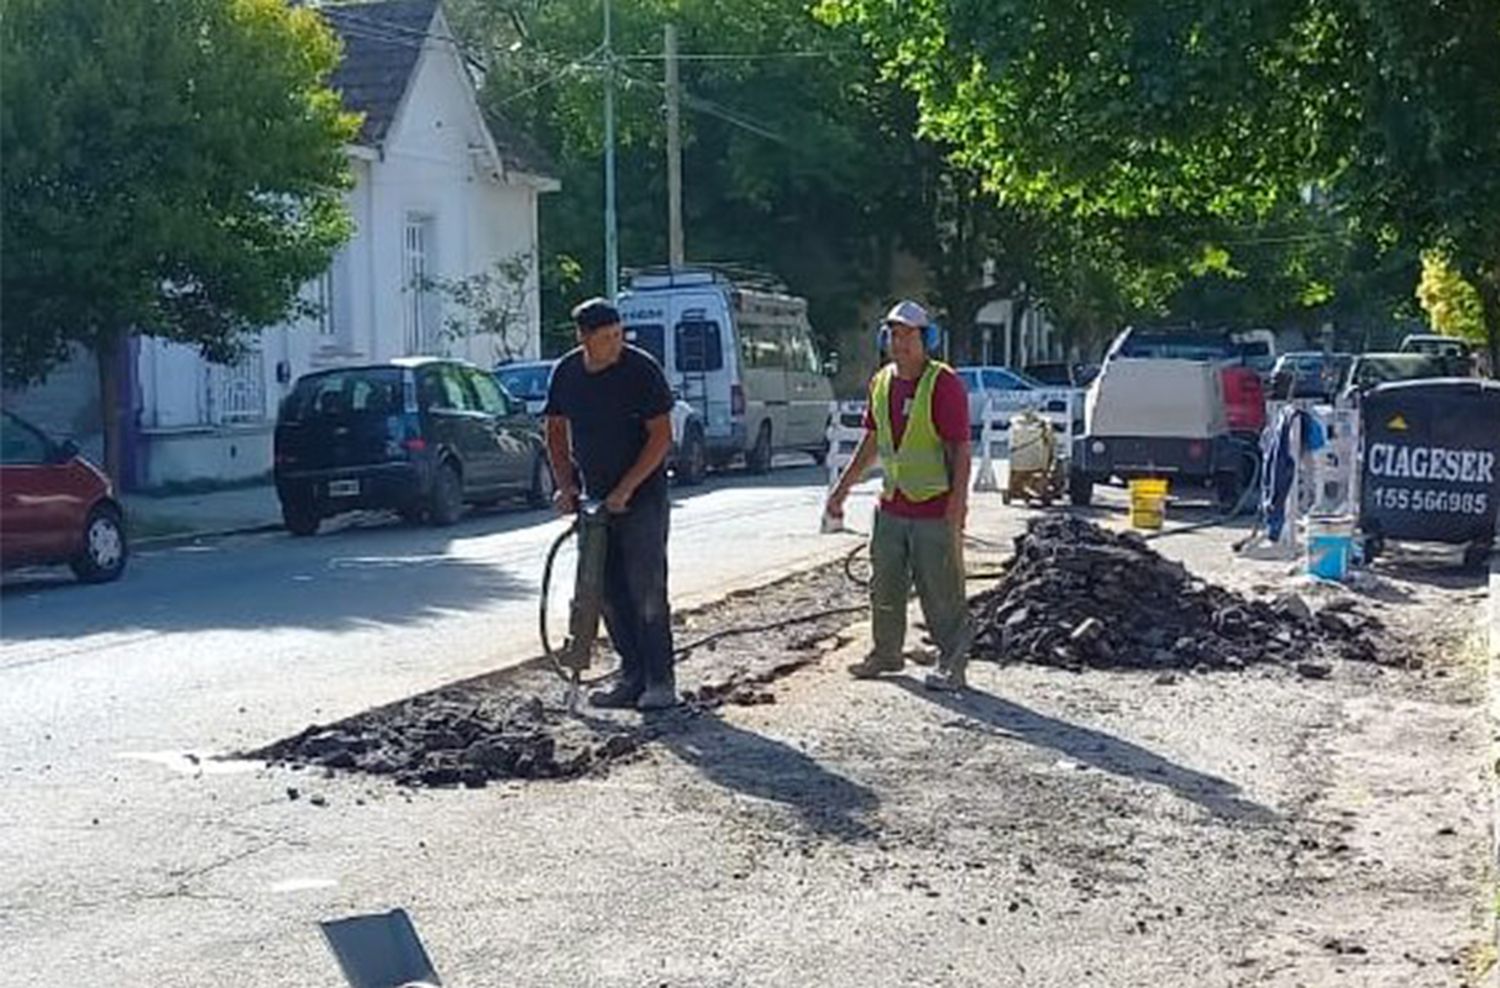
column 440, row 191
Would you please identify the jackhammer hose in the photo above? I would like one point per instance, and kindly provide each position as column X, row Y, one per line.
column 1252, row 490
column 680, row 651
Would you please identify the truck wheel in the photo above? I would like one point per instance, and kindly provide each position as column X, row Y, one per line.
column 1477, row 556
column 758, row 460
column 1227, row 490
column 692, row 461
column 447, row 496
column 1080, row 489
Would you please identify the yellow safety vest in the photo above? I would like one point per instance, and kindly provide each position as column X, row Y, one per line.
column 918, row 467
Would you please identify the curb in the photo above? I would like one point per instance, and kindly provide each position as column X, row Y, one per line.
column 185, row 538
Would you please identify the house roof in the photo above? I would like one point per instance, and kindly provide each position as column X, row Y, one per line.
column 381, row 44
column 382, row 41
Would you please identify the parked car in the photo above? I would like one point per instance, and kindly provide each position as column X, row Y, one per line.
column 528, row 381
column 419, row 435
column 1308, row 374
column 1002, row 388
column 1059, row 374
column 56, row 506
column 741, row 353
column 688, row 459
column 1367, row 370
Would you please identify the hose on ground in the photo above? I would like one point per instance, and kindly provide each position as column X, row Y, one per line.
column 1247, row 496
column 681, row 651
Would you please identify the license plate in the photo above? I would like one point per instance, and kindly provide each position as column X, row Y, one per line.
column 343, row 488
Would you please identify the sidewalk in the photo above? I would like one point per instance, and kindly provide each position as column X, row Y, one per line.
column 215, row 512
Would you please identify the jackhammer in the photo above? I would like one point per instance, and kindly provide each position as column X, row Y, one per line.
column 591, row 526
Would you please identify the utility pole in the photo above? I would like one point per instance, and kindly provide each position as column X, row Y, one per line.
column 675, row 253
column 611, row 233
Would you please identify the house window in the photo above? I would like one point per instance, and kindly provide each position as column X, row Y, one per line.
column 417, row 269
column 327, row 325
column 241, row 391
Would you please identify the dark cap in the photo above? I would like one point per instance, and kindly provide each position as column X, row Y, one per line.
column 596, row 313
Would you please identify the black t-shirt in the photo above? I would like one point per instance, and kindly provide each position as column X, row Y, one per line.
column 608, row 411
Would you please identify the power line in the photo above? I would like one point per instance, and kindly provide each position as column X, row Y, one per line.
column 743, row 56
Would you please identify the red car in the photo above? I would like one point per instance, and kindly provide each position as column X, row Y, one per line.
column 56, row 507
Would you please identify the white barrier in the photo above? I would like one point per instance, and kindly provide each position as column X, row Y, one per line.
column 846, row 427
column 1060, row 406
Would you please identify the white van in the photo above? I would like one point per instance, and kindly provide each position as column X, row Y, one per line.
column 744, row 357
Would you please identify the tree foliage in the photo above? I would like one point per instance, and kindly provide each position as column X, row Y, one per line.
column 1452, row 305
column 170, row 168
column 1224, row 110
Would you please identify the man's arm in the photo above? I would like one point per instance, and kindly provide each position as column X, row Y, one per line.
column 658, row 443
column 958, row 479
column 864, row 456
column 559, row 452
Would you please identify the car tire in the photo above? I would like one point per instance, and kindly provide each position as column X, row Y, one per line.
column 300, row 519
column 542, row 484
column 758, row 460
column 446, row 503
column 105, row 549
column 1227, row 490
column 413, row 514
column 692, row 460
column 1080, row 489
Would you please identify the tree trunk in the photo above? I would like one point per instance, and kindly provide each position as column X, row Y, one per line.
column 1489, row 299
column 107, row 355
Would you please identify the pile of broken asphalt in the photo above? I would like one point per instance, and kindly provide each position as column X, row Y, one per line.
column 1075, row 595
column 1078, row 596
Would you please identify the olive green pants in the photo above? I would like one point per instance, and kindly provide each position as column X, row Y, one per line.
column 923, row 551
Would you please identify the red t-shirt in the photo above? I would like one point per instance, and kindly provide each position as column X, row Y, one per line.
column 950, row 416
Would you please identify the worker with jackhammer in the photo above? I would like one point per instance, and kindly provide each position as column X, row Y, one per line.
column 917, row 422
column 609, row 427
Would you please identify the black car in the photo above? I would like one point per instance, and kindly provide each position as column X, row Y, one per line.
column 419, row 435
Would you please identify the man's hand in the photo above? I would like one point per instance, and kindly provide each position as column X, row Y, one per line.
column 618, row 501
column 958, row 511
column 565, row 500
column 836, row 497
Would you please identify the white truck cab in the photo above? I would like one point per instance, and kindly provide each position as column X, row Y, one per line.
column 742, row 355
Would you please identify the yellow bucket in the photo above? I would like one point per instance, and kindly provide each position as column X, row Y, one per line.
column 1148, row 502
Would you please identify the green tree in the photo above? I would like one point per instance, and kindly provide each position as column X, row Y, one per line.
column 1452, row 305
column 798, row 157
column 169, row 168
column 1390, row 109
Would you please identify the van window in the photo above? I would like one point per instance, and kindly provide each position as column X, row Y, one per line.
column 762, row 347
column 802, row 354
column 700, row 348
column 652, row 338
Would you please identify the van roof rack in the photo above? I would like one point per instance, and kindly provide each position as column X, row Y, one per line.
column 705, row 273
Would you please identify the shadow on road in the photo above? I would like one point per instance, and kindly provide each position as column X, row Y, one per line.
column 363, row 569
column 754, row 765
column 1097, row 749
column 364, row 573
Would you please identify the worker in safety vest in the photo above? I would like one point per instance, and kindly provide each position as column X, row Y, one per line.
column 917, row 422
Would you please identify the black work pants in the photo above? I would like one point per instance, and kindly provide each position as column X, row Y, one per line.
column 635, row 591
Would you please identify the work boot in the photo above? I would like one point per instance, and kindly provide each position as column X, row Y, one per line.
column 946, row 680
column 662, row 696
column 875, row 665
column 622, row 696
